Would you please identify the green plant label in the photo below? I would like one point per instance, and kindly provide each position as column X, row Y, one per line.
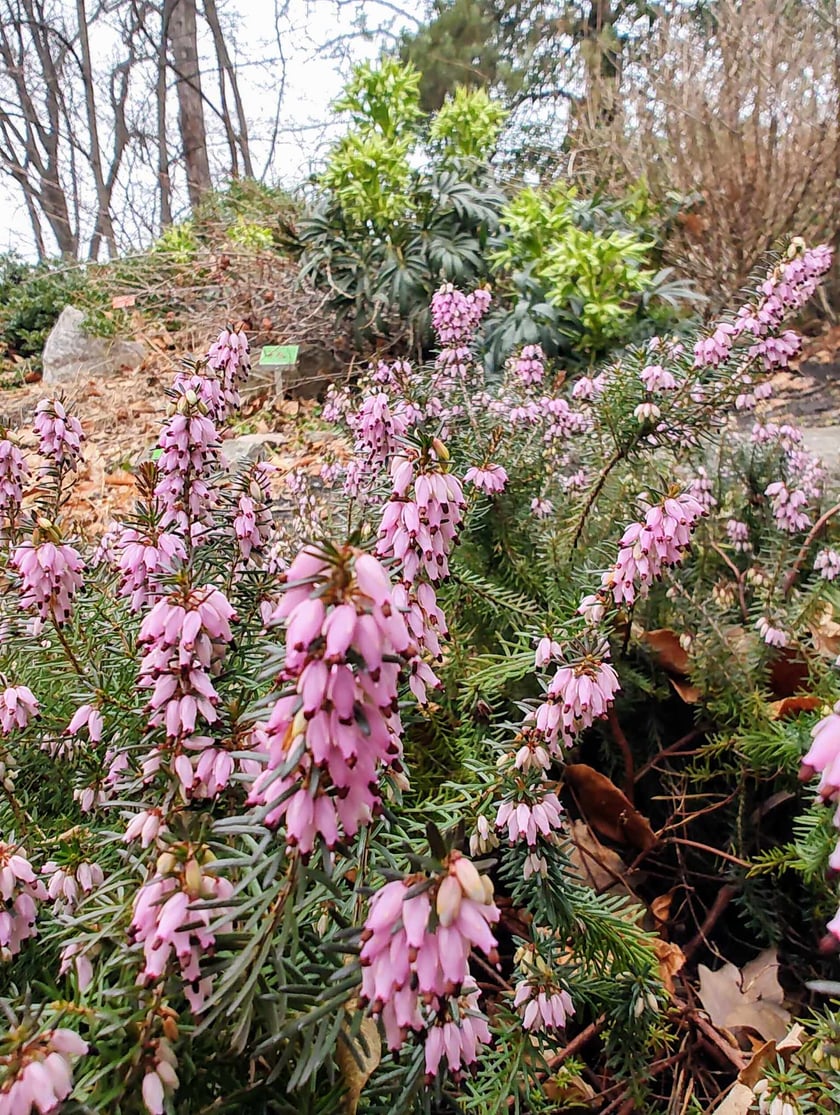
column 274, row 356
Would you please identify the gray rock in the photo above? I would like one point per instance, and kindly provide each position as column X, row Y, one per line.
column 248, row 448
column 70, row 352
column 824, row 441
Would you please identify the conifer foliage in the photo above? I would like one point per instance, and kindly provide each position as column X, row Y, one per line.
column 270, row 808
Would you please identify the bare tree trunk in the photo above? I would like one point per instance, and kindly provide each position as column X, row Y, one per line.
column 164, row 182
column 180, row 19
column 104, row 228
column 226, row 68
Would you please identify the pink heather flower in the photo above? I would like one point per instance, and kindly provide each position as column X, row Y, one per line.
column 713, row 350
column 74, row 954
column 529, row 366
column 14, row 476
column 59, row 432
column 647, row 548
column 337, row 725
column 547, row 651
column 824, row 756
column 39, row 1073
column 588, row 388
column 457, row 1041
column 181, row 638
column 484, row 839
column 455, row 315
column 646, row 412
column 776, row 352
column 20, row 890
column 169, row 916
column 144, row 561
column 773, row 636
column 577, row 696
column 739, row 535
column 17, row 706
column 420, row 523
column 532, row 754
column 593, row 608
column 490, row 479
column 787, row 507
column 253, row 523
column 229, row 358
column 827, row 564
column 528, row 820
column 524, row 414
column 67, row 885
column 147, row 825
column 86, row 716
column 378, row 426
column 51, row 575
column 562, row 421
column 542, row 508
column 545, row 1007
column 406, row 963
column 656, row 378
column 190, row 452
column 701, row 489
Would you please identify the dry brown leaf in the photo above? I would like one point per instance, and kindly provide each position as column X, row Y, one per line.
column 574, row 1092
column 667, row 650
column 120, row 479
column 792, row 706
column 357, row 1061
column 738, row 1101
column 660, row 907
column 751, row 998
column 825, row 633
column 761, row 1058
column 671, row 960
column 691, row 694
column 598, row 866
column 607, row 809
column 788, row 672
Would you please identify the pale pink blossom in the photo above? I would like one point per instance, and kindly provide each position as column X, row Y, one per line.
column 17, row 707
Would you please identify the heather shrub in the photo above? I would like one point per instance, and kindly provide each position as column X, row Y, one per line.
column 288, row 807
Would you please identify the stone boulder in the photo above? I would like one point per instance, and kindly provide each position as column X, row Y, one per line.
column 70, row 352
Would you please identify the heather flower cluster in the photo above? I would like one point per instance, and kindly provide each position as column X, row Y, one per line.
column 21, row 891
column 578, row 694
column 37, row 1075
column 328, row 741
column 529, row 366
column 182, row 636
column 190, row 451
column 417, row 941
column 17, row 707
column 60, row 434
column 227, row 677
column 170, row 915
column 14, row 477
column 146, row 559
column 253, row 523
column 543, row 1003
column 50, row 574
column 455, row 317
column 228, row 357
column 649, row 547
column 419, row 528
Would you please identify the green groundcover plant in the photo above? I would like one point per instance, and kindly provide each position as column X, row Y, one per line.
column 285, row 812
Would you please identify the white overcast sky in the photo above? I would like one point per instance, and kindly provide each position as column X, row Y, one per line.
column 311, row 57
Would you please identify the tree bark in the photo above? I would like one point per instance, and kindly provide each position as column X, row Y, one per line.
column 226, row 69
column 164, row 182
column 104, row 228
column 180, row 19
